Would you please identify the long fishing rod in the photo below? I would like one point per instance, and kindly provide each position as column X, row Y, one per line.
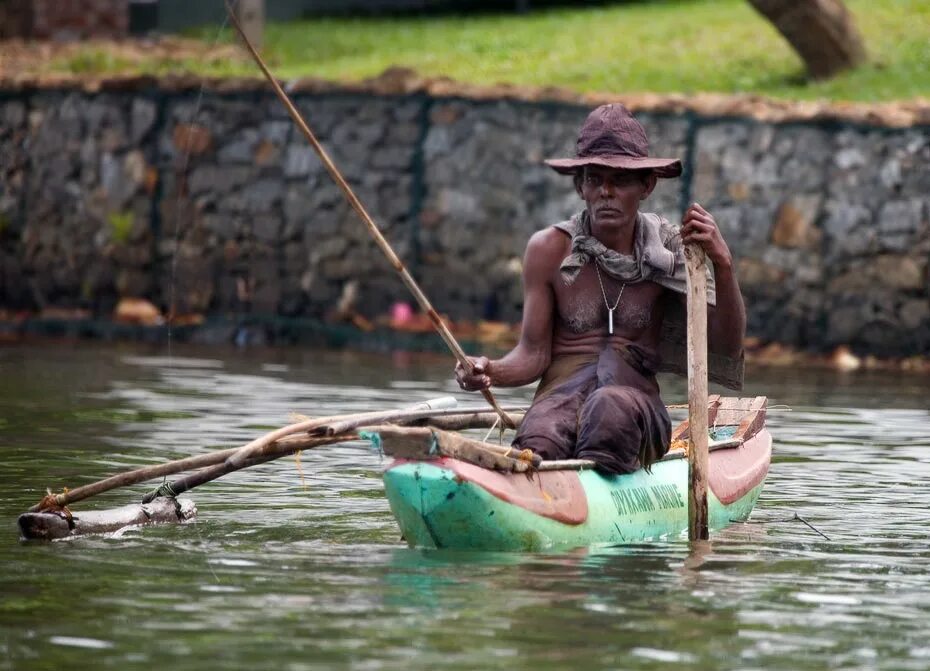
column 356, row 204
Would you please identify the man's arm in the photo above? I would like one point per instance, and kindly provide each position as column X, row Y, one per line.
column 529, row 359
column 726, row 323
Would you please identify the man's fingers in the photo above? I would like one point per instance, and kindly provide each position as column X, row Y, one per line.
column 698, row 237
column 473, row 384
column 702, row 216
column 476, row 377
column 696, row 218
column 699, row 233
column 697, row 227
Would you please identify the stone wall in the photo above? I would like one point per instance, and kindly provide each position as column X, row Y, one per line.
column 211, row 202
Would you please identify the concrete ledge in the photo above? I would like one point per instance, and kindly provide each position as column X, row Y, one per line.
column 402, row 81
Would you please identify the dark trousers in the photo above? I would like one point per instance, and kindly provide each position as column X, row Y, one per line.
column 605, row 408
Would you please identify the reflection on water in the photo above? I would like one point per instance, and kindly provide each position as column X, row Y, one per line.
column 279, row 575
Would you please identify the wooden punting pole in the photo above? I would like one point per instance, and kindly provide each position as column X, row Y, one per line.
column 356, row 204
column 697, row 392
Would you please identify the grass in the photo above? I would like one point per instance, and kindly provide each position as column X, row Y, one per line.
column 660, row 46
column 120, row 226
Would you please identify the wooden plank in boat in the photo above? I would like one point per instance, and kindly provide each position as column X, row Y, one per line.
column 425, row 443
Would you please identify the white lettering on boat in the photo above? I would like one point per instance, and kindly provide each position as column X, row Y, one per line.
column 646, row 499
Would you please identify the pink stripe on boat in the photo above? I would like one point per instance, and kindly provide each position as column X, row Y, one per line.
column 735, row 471
column 557, row 495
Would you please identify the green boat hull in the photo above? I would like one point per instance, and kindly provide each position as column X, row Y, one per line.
column 437, row 508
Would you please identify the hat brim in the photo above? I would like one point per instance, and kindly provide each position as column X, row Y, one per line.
column 662, row 167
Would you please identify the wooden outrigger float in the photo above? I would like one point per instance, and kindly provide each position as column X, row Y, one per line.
column 448, row 490
column 51, row 518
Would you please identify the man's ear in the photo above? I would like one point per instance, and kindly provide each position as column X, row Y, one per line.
column 649, row 182
column 578, row 178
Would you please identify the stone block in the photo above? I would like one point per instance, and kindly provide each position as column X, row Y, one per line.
column 901, row 272
column 301, row 161
column 133, row 282
column 849, row 228
column 209, row 178
column 278, row 132
column 266, row 153
column 757, row 273
column 894, row 271
column 267, row 228
column 903, row 216
column 391, row 158
column 13, row 114
column 738, row 191
column 915, row 314
column 191, row 139
column 141, row 119
column 240, row 149
column 794, row 224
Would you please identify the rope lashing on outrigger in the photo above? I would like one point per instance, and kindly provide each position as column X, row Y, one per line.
column 374, row 438
column 523, row 455
column 165, row 489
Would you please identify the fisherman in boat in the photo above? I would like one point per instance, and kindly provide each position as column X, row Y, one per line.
column 604, row 308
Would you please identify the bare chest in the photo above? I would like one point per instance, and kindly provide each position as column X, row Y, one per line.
column 586, row 305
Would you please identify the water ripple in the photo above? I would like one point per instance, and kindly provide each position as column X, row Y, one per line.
column 297, row 574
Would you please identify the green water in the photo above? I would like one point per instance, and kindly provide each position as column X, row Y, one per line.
column 279, row 575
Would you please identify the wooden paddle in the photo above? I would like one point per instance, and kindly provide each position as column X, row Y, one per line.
column 356, row 204
column 697, row 392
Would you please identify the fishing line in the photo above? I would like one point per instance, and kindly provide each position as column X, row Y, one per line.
column 796, row 518
column 493, row 426
column 180, row 173
column 203, row 540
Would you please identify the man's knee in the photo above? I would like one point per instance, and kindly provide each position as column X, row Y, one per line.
column 619, row 404
column 544, row 446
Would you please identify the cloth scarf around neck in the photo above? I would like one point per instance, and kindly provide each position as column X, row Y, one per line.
column 658, row 255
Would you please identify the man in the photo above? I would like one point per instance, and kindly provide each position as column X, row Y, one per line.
column 603, row 308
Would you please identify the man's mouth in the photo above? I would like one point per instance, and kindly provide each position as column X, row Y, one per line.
column 609, row 211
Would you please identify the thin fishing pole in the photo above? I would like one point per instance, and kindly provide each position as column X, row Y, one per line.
column 373, row 229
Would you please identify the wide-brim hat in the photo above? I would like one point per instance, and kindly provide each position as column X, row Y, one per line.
column 612, row 138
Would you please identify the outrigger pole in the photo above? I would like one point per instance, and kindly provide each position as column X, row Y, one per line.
column 382, row 243
column 697, row 392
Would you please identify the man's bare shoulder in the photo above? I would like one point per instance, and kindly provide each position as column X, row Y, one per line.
column 548, row 246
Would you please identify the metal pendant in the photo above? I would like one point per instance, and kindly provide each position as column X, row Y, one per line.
column 610, row 321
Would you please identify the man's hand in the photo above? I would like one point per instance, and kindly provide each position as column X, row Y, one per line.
column 699, row 227
column 479, row 379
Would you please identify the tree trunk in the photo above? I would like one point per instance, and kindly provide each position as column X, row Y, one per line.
column 823, row 32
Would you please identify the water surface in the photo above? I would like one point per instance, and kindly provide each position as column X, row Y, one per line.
column 289, row 574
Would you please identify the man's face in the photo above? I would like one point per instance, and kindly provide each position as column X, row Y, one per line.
column 612, row 195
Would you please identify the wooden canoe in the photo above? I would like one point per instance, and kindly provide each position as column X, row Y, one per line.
column 445, row 502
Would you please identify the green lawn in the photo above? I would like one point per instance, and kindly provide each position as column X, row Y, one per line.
column 658, row 46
